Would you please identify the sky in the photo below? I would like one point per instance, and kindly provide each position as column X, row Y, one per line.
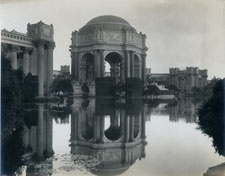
column 180, row 33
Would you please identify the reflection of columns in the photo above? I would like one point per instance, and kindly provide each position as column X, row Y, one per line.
column 40, row 129
column 98, row 128
column 123, row 127
column 26, row 61
column 14, row 57
column 143, row 135
column 95, row 130
column 102, row 122
column 50, row 65
column 40, row 68
column 143, row 57
column 127, row 129
column 49, row 134
column 25, row 136
column 131, row 128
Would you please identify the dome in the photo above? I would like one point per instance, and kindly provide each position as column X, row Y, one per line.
column 108, row 19
column 107, row 22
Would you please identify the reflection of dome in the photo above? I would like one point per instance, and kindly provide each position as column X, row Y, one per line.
column 107, row 22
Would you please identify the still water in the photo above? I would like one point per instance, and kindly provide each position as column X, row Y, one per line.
column 107, row 137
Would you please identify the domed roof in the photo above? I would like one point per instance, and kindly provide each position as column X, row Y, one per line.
column 107, row 22
column 108, row 19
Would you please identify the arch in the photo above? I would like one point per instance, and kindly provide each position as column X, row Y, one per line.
column 114, row 59
column 136, row 67
column 114, row 132
column 87, row 127
column 136, row 126
column 87, row 68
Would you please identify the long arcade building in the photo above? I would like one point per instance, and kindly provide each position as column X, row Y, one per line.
column 33, row 52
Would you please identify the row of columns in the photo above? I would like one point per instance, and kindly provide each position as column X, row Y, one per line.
column 38, row 61
column 127, row 125
column 40, row 137
column 127, row 68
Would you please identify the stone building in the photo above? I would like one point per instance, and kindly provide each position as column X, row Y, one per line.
column 186, row 79
column 33, row 52
column 107, row 39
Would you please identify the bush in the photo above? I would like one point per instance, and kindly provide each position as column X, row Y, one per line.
column 212, row 117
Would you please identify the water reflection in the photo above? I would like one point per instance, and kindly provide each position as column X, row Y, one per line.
column 183, row 109
column 115, row 136
column 108, row 137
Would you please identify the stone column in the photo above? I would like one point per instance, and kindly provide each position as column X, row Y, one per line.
column 13, row 57
column 40, row 130
column 127, row 64
column 97, row 63
column 122, row 70
column 73, row 66
column 40, row 68
column 132, row 64
column 143, row 67
column 33, row 61
column 51, row 46
column 26, row 61
column 102, row 63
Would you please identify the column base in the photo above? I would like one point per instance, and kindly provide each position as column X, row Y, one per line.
column 46, row 98
column 91, row 86
column 77, row 91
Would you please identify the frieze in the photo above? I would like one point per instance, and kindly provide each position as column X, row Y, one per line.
column 99, row 35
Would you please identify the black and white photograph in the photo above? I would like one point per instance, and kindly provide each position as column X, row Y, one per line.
column 112, row 87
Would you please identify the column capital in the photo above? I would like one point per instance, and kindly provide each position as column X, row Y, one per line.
column 14, row 48
column 27, row 50
column 144, row 55
column 50, row 45
column 40, row 42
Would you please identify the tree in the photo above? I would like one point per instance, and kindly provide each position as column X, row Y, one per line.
column 61, row 84
column 212, row 117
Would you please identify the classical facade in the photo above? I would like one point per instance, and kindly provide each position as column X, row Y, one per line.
column 107, row 39
column 184, row 80
column 33, row 52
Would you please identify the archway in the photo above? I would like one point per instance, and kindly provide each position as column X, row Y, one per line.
column 114, row 60
column 136, row 67
column 87, row 68
column 113, row 129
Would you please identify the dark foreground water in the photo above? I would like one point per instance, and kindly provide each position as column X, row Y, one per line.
column 106, row 137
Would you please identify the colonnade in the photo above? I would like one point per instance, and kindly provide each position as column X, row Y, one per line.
column 37, row 60
column 39, row 136
column 130, row 65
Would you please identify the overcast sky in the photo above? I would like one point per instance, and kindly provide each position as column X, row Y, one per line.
column 179, row 33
